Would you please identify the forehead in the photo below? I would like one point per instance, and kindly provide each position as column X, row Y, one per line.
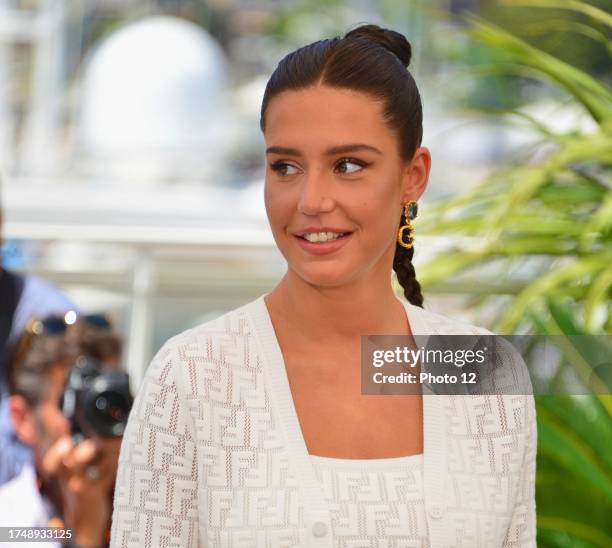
column 326, row 115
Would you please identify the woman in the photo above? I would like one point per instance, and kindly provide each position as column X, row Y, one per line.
column 251, row 430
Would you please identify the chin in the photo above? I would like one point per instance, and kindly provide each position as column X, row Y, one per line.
column 327, row 276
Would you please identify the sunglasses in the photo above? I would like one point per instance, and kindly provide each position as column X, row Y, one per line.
column 53, row 325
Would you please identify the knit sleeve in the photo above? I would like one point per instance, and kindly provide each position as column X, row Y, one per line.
column 155, row 502
column 522, row 529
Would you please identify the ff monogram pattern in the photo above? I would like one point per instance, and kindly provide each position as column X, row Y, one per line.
column 207, row 460
column 375, row 502
column 202, row 462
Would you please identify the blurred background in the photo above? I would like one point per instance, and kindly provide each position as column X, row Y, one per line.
column 132, row 168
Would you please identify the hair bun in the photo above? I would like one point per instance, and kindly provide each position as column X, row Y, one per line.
column 387, row 38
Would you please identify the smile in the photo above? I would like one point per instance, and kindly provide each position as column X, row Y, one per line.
column 316, row 246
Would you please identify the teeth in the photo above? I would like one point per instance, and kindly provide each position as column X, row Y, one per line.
column 322, row 236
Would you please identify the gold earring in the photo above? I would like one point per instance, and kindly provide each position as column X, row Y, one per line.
column 410, row 212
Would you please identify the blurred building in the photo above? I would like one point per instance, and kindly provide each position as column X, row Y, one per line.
column 132, row 159
column 125, row 184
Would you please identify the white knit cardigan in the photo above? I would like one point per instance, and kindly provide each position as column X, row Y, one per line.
column 213, row 454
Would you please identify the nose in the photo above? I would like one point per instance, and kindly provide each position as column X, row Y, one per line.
column 315, row 195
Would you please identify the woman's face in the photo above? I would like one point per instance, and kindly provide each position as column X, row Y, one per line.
column 333, row 165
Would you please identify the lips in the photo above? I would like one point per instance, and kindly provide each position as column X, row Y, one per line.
column 336, row 234
column 323, row 248
column 317, row 229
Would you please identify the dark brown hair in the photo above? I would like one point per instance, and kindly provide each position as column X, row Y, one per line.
column 372, row 60
column 34, row 355
column 27, row 373
column 100, row 343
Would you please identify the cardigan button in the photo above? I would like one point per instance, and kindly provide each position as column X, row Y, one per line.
column 319, row 529
column 436, row 511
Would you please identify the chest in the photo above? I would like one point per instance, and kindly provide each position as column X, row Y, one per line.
column 337, row 420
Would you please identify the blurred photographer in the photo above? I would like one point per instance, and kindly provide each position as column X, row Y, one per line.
column 69, row 402
column 22, row 297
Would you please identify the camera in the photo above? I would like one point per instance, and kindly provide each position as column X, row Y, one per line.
column 96, row 401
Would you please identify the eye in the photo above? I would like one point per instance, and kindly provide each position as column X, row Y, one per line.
column 280, row 168
column 357, row 163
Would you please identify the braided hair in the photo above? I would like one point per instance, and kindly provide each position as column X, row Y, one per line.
column 404, row 270
column 373, row 60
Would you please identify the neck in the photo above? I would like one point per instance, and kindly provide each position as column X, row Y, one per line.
column 337, row 313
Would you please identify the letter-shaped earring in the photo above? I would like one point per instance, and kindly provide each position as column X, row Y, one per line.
column 410, row 212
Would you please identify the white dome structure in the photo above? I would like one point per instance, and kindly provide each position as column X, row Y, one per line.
column 152, row 96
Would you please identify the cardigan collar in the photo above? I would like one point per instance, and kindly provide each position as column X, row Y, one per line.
column 421, row 323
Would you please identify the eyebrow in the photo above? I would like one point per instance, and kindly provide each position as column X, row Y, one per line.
column 342, row 149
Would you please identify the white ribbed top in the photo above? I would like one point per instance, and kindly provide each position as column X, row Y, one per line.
column 368, row 464
column 374, row 502
column 213, row 455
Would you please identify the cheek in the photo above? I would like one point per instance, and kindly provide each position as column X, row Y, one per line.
column 378, row 218
column 55, row 422
column 279, row 207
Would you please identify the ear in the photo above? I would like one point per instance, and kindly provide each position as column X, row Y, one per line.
column 22, row 417
column 416, row 175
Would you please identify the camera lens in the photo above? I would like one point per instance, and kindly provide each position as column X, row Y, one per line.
column 109, row 412
column 97, row 401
